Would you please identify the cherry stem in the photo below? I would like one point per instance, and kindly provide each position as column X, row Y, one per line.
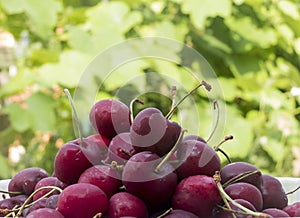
column 217, row 147
column 216, row 107
column 226, row 138
column 98, row 215
column 165, row 213
column 293, row 191
column 232, row 211
column 224, row 195
column 240, row 176
column 202, row 83
column 135, row 100
column 113, row 165
column 226, row 155
column 173, row 95
column 8, row 192
column 125, row 152
column 75, row 116
column 25, row 204
column 166, row 158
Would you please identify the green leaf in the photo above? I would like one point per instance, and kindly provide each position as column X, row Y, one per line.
column 242, row 132
column 16, row 84
column 19, row 117
column 79, row 39
column 165, row 29
column 67, row 72
column 200, row 10
column 289, row 8
column 40, row 107
column 5, row 172
column 13, row 6
column 109, row 22
column 243, row 64
column 43, row 15
column 244, row 27
column 275, row 149
column 42, row 56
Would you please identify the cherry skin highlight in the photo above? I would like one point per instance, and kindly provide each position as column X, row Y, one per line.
column 110, row 117
column 151, row 131
column 124, row 204
column 140, row 179
column 194, row 191
column 82, row 200
column 25, row 180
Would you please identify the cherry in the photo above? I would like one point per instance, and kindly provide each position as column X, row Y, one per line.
column 102, row 143
column 12, row 202
column 246, row 191
column 177, row 213
column 151, row 131
column 110, row 117
column 120, row 149
column 233, row 170
column 52, row 201
column 39, row 204
column 82, row 200
column 273, row 193
column 106, row 178
column 70, row 161
column 292, row 209
column 48, row 181
column 125, row 204
column 275, row 212
column 193, row 137
column 227, row 214
column 142, row 179
column 45, row 213
column 25, row 180
column 197, row 194
column 196, row 158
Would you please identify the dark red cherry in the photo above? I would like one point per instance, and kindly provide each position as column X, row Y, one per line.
column 110, row 117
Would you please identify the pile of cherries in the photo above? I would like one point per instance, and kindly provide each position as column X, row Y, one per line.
column 143, row 166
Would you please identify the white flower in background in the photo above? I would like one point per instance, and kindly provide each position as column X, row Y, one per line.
column 295, row 91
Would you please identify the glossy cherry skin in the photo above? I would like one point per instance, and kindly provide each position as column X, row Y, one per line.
column 124, row 204
column 45, row 213
column 140, row 179
column 25, row 180
column 105, row 177
column 151, row 131
column 48, row 181
column 110, row 117
column 197, row 194
column 82, row 200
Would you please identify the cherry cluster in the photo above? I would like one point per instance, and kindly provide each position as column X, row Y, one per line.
column 143, row 166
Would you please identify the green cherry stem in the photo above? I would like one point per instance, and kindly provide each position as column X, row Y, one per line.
column 167, row 157
column 9, row 192
column 240, row 176
column 165, row 213
column 202, row 83
column 75, row 116
column 216, row 107
column 135, row 100
column 224, row 195
column 25, row 204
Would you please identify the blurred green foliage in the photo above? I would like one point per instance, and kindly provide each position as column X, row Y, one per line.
column 253, row 46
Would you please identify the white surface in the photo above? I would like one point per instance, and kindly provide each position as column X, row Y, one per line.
column 289, row 184
column 3, row 186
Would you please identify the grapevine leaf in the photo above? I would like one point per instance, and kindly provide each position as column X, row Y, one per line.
column 200, row 10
